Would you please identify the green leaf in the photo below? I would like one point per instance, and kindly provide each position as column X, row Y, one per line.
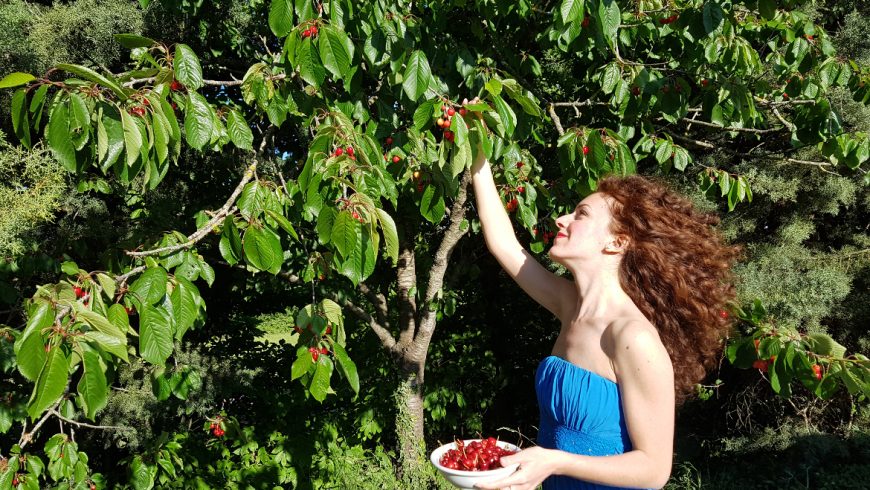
column 262, row 248
column 423, row 114
column 461, row 158
column 119, row 318
column 283, row 222
column 230, row 243
column 664, row 150
column 184, row 306
column 344, row 233
column 281, row 17
column 155, row 335
column 308, row 61
column 391, row 236
column 114, row 134
column 133, row 41
column 51, row 383
column 417, row 76
column 16, row 79
column 143, row 474
column 58, row 133
column 186, row 66
column 95, row 77
column 612, row 74
column 100, row 323
column 92, row 386
column 507, row 115
column 198, row 124
column 609, row 18
column 713, row 16
column 334, row 51
column 239, row 131
column 346, row 367
column 572, row 10
column 320, row 381
column 20, row 117
column 132, row 138
column 432, row 204
column 109, row 343
column 460, row 130
column 29, row 347
column 150, row 287
column 302, row 364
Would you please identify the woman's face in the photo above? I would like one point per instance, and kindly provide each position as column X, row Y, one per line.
column 584, row 233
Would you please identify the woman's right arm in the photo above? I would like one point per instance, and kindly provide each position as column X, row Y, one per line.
column 554, row 293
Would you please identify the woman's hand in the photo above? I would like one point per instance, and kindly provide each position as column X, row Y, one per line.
column 536, row 464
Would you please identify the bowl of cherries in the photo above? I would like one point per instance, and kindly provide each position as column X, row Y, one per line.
column 468, row 462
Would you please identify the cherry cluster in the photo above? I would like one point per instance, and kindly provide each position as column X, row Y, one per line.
column 82, row 294
column 341, row 151
column 216, row 429
column 310, row 32
column 176, row 86
column 443, row 122
column 546, row 236
column 479, row 455
column 670, row 20
column 315, row 352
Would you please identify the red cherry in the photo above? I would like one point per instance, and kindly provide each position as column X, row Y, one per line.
column 446, row 123
column 585, row 22
column 175, row 86
column 784, row 95
column 451, row 111
column 174, row 105
column 817, row 371
column 389, row 140
column 704, row 82
column 324, row 350
column 520, row 164
column 313, row 30
column 306, row 33
column 339, row 152
column 145, row 102
column 723, row 314
column 328, row 330
column 350, row 150
column 761, row 365
column 809, row 37
column 585, row 150
column 448, row 135
column 315, row 354
column 463, row 111
column 396, row 159
column 15, row 481
column 79, row 292
column 756, row 342
column 521, row 189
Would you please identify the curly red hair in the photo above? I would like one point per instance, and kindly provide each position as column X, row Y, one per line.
column 677, row 270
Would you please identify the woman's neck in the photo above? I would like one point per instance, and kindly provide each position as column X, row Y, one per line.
column 600, row 294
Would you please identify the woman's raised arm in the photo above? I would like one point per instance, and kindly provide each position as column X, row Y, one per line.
column 553, row 292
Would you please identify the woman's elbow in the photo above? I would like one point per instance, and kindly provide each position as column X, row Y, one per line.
column 663, row 475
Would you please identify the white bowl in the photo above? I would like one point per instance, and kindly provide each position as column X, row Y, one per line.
column 467, row 479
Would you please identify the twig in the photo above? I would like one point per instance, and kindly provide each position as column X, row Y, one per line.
column 212, row 83
column 787, row 124
column 555, row 119
column 207, row 227
column 84, row 424
column 731, row 128
column 26, row 437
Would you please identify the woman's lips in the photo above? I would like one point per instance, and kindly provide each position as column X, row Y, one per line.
column 560, row 234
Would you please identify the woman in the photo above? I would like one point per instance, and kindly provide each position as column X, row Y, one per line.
column 642, row 321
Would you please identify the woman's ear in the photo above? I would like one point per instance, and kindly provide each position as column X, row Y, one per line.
column 617, row 245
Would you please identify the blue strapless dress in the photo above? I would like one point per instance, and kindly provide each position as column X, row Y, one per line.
column 581, row 413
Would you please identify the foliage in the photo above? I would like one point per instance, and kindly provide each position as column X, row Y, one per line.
column 318, row 161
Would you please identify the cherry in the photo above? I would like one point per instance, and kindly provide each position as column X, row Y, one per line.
column 175, row 86
column 784, row 95
column 585, row 22
column 521, row 189
column 635, row 91
column 79, row 292
column 809, row 37
column 297, row 329
column 389, row 140
column 174, row 105
column 585, row 150
column 350, row 150
column 420, row 187
column 313, row 30
column 817, row 371
column 15, row 481
column 723, row 314
column 512, row 205
column 145, row 102
column 324, row 350
column 439, row 122
column 314, row 353
column 761, row 365
column 451, row 111
column 416, row 174
column 757, row 342
column 463, row 111
column 328, row 330
column 396, row 159
column 704, row 82
column 339, row 152
column 448, row 135
column 520, row 164
column 306, row 33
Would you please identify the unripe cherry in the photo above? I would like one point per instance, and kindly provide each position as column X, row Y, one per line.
column 439, row 122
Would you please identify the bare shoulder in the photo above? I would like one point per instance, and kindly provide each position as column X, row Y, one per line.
column 637, row 350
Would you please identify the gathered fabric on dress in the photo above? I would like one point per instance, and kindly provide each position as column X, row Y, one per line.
column 581, row 413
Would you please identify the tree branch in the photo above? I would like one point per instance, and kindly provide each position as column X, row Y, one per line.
column 442, row 259
column 380, row 303
column 212, row 83
column 731, row 128
column 207, row 227
column 555, row 119
column 26, row 437
column 83, row 424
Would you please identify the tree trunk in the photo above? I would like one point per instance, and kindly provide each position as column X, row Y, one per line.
column 409, row 424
